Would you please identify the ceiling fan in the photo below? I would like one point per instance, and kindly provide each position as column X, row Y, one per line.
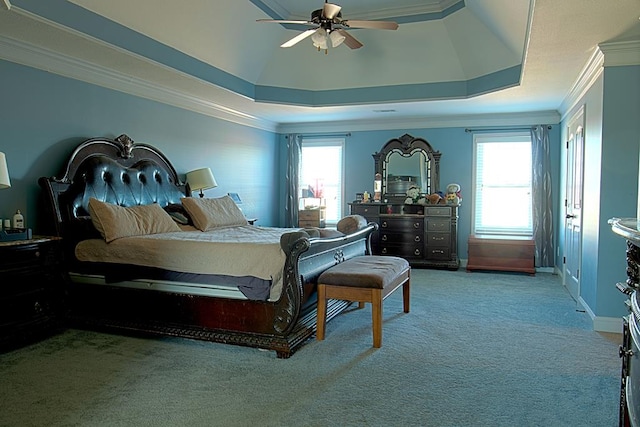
column 330, row 29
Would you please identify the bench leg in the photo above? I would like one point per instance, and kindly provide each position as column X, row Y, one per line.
column 376, row 317
column 405, row 295
column 321, row 312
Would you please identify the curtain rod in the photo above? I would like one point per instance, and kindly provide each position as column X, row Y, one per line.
column 324, row 135
column 468, row 130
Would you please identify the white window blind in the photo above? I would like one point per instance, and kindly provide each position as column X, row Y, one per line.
column 502, row 184
column 321, row 169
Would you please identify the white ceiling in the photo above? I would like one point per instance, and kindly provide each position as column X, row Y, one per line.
column 437, row 42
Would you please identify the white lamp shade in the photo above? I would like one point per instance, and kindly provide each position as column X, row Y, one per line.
column 201, row 179
column 4, row 172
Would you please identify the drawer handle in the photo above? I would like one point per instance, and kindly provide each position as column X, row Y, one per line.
column 384, row 224
column 417, row 239
column 37, row 254
column 416, row 225
column 416, row 252
column 384, row 238
column 624, row 353
column 438, row 251
column 384, row 250
column 437, row 238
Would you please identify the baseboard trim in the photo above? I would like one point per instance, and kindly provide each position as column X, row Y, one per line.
column 602, row 324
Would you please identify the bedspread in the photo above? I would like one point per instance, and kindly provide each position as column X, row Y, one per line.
column 233, row 251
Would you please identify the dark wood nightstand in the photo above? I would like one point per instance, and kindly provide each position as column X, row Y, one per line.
column 31, row 289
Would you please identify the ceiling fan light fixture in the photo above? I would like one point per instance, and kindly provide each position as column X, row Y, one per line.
column 319, row 39
column 336, row 38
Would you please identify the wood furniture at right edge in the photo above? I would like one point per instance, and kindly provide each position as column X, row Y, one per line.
column 630, row 348
column 501, row 254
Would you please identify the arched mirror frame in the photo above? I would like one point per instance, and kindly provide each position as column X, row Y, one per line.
column 407, row 145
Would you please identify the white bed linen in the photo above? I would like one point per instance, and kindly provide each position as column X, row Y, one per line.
column 246, row 250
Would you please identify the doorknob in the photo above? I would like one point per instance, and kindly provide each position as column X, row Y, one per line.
column 570, row 216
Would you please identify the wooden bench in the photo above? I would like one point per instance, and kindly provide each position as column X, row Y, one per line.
column 369, row 278
column 515, row 254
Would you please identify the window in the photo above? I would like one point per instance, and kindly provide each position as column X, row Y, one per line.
column 502, row 184
column 321, row 174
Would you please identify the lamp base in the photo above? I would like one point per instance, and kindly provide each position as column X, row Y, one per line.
column 12, row 234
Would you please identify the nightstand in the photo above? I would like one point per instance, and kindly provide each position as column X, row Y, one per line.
column 31, row 289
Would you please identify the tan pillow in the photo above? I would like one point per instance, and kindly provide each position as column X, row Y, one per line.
column 351, row 223
column 207, row 213
column 114, row 222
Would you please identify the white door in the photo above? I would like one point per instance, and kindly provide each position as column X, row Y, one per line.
column 573, row 202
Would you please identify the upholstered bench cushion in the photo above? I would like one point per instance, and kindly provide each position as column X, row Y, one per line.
column 369, row 271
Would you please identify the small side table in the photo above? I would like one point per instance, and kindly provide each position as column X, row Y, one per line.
column 31, row 289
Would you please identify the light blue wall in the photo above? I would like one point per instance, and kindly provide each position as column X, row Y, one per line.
column 612, row 129
column 44, row 117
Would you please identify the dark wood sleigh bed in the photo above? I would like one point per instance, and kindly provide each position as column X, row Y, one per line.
column 121, row 172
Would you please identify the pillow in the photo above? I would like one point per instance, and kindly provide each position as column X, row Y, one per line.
column 351, row 223
column 207, row 213
column 114, row 222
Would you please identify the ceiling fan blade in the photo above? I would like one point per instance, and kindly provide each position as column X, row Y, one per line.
column 284, row 21
column 330, row 10
column 349, row 40
column 379, row 25
column 299, row 37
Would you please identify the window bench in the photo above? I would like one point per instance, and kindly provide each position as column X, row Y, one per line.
column 516, row 254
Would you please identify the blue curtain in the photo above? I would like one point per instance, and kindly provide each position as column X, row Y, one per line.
column 541, row 197
column 293, row 168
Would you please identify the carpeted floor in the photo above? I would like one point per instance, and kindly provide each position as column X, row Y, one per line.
column 477, row 349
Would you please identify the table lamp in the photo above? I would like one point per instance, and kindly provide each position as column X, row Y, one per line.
column 5, row 182
column 201, row 179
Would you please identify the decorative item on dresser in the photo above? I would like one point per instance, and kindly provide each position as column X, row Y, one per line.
column 629, row 228
column 31, row 289
column 414, row 221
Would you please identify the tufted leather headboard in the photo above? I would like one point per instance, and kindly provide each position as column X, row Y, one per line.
column 116, row 171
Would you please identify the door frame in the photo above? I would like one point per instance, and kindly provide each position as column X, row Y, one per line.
column 575, row 126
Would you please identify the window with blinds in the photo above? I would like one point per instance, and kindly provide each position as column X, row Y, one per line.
column 321, row 174
column 502, row 197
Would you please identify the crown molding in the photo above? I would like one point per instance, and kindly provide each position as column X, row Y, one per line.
column 617, row 54
column 508, row 119
column 591, row 71
column 609, row 54
column 54, row 62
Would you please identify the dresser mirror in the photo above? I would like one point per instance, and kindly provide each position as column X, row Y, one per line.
column 407, row 161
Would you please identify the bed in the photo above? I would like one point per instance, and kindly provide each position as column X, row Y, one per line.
column 142, row 256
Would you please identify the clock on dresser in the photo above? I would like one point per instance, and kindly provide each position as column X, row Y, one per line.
column 31, row 290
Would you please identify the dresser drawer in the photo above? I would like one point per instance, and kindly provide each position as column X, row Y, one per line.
column 366, row 210
column 438, row 253
column 438, row 239
column 438, row 225
column 404, row 223
column 409, row 238
column 437, row 211
column 405, row 251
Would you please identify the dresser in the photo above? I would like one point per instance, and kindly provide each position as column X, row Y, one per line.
column 630, row 348
column 31, row 289
column 425, row 235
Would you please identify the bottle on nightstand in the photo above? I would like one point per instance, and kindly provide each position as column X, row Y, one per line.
column 18, row 220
